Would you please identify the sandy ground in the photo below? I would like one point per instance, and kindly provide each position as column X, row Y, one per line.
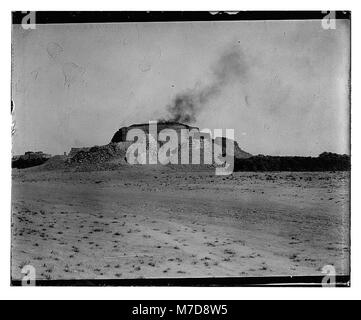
column 141, row 222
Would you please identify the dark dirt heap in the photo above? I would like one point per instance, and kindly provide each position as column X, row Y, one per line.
column 29, row 159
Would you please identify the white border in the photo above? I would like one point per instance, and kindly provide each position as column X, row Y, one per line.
column 7, row 292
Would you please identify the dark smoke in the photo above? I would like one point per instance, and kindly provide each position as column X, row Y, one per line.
column 231, row 66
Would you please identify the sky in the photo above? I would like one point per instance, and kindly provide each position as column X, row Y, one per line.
column 281, row 85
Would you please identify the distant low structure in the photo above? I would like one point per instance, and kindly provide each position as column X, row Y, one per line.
column 29, row 159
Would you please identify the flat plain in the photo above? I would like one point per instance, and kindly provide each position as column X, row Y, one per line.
column 158, row 222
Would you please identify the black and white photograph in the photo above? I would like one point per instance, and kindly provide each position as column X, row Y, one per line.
column 180, row 148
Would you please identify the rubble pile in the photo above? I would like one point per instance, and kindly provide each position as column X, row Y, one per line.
column 107, row 157
column 98, row 154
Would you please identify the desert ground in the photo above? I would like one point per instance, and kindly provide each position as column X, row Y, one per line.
column 158, row 222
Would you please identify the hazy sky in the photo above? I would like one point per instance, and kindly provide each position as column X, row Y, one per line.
column 75, row 85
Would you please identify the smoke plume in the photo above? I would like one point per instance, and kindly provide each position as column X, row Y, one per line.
column 185, row 106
